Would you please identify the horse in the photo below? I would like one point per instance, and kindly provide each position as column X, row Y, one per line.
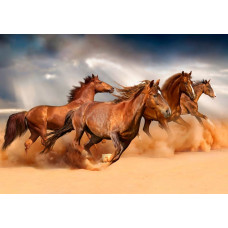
column 189, row 106
column 171, row 90
column 118, row 120
column 42, row 118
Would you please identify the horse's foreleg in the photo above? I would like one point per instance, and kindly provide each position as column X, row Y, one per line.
column 147, row 127
column 182, row 122
column 199, row 119
column 164, row 125
column 124, row 147
column 200, row 115
column 117, row 144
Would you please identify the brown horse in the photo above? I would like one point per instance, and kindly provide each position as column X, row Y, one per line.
column 41, row 118
column 118, row 120
column 171, row 91
column 189, row 106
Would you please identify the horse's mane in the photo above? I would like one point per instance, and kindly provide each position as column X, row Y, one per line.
column 170, row 81
column 128, row 92
column 198, row 82
column 73, row 92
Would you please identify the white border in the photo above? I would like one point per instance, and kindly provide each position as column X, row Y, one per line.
column 118, row 17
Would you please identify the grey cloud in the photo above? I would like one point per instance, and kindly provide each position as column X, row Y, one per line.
column 24, row 84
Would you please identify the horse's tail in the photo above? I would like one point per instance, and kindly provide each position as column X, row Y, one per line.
column 16, row 126
column 67, row 127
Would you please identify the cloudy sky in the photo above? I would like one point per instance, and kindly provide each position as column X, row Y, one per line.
column 41, row 69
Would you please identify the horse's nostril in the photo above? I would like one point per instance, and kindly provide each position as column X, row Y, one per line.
column 167, row 112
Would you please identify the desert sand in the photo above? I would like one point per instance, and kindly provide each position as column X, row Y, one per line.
column 188, row 172
column 191, row 161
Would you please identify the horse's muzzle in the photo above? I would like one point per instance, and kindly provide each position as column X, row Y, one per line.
column 167, row 113
column 111, row 90
column 192, row 97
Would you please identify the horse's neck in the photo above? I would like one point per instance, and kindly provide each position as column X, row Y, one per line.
column 136, row 107
column 85, row 94
column 198, row 91
column 173, row 95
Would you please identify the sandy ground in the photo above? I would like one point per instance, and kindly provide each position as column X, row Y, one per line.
column 186, row 172
column 189, row 161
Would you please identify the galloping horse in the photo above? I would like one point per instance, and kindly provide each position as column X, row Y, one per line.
column 189, row 106
column 171, row 90
column 118, row 120
column 41, row 118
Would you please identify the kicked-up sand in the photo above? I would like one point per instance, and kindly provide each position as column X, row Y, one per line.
column 191, row 161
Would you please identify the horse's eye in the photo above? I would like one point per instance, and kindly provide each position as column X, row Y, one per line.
column 155, row 95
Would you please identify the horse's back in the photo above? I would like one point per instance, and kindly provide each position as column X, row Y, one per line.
column 50, row 116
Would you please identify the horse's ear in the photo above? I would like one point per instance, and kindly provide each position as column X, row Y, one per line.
column 157, row 82
column 151, row 83
column 190, row 73
column 183, row 73
column 92, row 75
column 209, row 81
column 96, row 76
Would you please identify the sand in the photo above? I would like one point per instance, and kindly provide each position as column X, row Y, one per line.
column 191, row 161
column 187, row 172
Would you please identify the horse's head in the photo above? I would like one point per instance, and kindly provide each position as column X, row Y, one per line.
column 186, row 85
column 101, row 86
column 207, row 89
column 155, row 99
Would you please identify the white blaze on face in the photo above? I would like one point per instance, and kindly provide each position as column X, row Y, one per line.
column 193, row 92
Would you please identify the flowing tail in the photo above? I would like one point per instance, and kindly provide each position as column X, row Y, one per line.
column 67, row 127
column 15, row 127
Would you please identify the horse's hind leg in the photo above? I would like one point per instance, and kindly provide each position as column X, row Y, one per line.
column 31, row 140
column 93, row 140
column 43, row 135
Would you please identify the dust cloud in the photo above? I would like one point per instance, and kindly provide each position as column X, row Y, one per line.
column 197, row 138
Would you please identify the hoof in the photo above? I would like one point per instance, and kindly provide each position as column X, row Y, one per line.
column 85, row 154
column 106, row 158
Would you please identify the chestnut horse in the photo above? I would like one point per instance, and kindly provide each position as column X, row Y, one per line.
column 41, row 118
column 171, row 91
column 118, row 120
column 189, row 106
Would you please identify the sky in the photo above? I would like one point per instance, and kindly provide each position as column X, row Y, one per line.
column 41, row 69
